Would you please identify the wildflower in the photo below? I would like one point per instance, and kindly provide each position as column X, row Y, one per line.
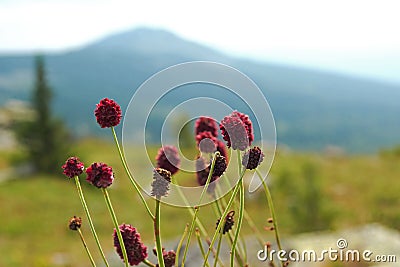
column 220, row 165
column 73, row 167
column 202, row 172
column 108, row 113
column 249, row 125
column 75, row 223
column 252, row 158
column 229, row 222
column 100, row 175
column 206, row 124
column 161, row 181
column 237, row 130
column 169, row 257
column 168, row 159
column 135, row 249
column 206, row 142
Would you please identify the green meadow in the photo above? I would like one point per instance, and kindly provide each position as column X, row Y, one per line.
column 311, row 192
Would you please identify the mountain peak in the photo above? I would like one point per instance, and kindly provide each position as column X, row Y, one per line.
column 153, row 41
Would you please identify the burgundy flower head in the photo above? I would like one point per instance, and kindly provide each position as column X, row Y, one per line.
column 108, row 113
column 252, row 158
column 169, row 257
column 229, row 222
column 100, row 175
column 206, row 124
column 249, row 125
column 221, row 148
column 220, row 165
column 206, row 142
column 160, row 184
column 75, row 223
column 135, row 249
column 202, row 171
column 237, row 130
column 168, row 159
column 73, row 167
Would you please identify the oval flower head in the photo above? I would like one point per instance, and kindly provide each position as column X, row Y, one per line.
column 73, row 167
column 100, row 175
column 168, row 158
column 108, row 113
column 252, row 158
column 206, row 124
column 135, row 249
column 237, row 130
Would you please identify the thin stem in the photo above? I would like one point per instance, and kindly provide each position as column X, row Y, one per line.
column 198, row 222
column 86, row 248
column 197, row 207
column 130, row 176
column 218, row 212
column 247, row 217
column 178, row 249
column 92, row 229
column 218, row 249
column 272, row 210
column 157, row 222
column 115, row 221
column 235, row 191
column 148, row 263
column 239, row 223
column 200, row 246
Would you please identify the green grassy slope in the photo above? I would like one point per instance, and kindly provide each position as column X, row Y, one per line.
column 35, row 211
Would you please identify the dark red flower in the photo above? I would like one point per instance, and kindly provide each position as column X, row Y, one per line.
column 252, row 158
column 135, row 249
column 169, row 257
column 75, row 223
column 73, row 167
column 206, row 142
column 249, row 125
column 206, row 124
column 100, row 175
column 202, row 172
column 108, row 113
column 161, row 181
column 168, row 159
column 220, row 165
column 229, row 222
column 237, row 130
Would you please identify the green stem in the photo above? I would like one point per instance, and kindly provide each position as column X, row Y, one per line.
column 197, row 207
column 200, row 246
column 247, row 217
column 148, row 263
column 235, row 191
column 86, row 248
column 178, row 249
column 239, row 223
column 218, row 249
column 130, row 176
column 218, row 212
column 198, row 222
column 85, row 207
column 272, row 210
column 115, row 221
column 157, row 235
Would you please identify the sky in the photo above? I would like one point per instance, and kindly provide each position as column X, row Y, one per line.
column 357, row 37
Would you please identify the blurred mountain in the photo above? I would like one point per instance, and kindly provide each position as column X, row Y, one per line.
column 312, row 109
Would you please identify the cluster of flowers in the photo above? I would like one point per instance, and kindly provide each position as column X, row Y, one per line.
column 236, row 130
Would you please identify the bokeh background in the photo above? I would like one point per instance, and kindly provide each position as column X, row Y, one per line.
column 329, row 69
